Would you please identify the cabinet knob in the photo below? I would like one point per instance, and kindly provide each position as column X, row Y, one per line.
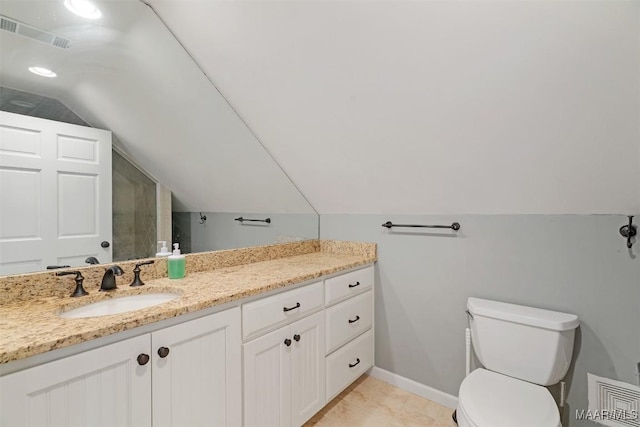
column 296, row 337
column 105, row 244
column 143, row 359
column 163, row 352
column 351, row 365
column 287, row 342
column 353, row 286
column 354, row 320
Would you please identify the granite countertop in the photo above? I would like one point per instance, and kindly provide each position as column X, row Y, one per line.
column 31, row 326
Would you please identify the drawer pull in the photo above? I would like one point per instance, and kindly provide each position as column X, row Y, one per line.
column 354, row 320
column 285, row 309
column 296, row 337
column 287, row 342
column 354, row 364
column 353, row 286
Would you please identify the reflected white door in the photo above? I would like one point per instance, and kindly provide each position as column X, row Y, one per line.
column 55, row 194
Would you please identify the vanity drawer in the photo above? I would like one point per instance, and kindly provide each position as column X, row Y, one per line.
column 348, row 284
column 268, row 313
column 347, row 320
column 348, row 363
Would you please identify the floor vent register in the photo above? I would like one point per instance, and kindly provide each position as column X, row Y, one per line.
column 612, row 403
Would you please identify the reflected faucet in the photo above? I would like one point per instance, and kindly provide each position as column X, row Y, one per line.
column 92, row 260
column 109, row 278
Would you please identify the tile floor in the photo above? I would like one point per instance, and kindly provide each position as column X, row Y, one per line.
column 369, row 402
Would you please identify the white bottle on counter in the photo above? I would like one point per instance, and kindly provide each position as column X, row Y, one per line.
column 164, row 251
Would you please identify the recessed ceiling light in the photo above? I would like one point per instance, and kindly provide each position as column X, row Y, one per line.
column 23, row 104
column 83, row 8
column 44, row 72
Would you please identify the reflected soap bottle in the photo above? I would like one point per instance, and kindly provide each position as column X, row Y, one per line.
column 176, row 263
column 162, row 248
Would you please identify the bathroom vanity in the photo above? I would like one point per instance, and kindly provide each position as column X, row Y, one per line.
column 260, row 343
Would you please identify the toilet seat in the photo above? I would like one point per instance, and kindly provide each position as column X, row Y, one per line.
column 489, row 399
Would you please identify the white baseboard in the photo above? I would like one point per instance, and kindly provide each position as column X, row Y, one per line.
column 414, row 387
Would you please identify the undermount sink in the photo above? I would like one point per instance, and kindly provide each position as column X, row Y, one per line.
column 118, row 305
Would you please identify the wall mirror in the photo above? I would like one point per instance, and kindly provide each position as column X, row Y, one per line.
column 125, row 72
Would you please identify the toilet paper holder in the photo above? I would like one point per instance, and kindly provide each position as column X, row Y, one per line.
column 628, row 231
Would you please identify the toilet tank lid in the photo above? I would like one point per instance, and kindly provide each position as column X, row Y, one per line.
column 538, row 317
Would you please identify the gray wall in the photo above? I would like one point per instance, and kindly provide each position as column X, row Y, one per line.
column 221, row 231
column 572, row 263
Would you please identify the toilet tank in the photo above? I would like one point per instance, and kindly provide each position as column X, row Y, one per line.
column 528, row 343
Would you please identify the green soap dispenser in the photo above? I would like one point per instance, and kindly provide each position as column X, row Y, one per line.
column 176, row 263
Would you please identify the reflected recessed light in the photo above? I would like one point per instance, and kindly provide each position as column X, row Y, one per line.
column 83, row 8
column 44, row 72
column 23, row 104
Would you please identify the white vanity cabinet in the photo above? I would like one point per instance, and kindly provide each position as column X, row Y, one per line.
column 197, row 375
column 273, row 361
column 349, row 330
column 187, row 374
column 291, row 372
column 105, row 386
column 284, row 370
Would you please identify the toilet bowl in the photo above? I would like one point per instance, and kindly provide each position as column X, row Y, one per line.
column 522, row 349
column 490, row 399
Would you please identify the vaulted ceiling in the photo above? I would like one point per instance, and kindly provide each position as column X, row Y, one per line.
column 433, row 106
column 125, row 72
column 368, row 106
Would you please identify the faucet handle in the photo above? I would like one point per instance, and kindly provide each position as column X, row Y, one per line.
column 79, row 291
column 136, row 271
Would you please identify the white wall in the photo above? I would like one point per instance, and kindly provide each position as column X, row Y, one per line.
column 431, row 107
column 435, row 111
column 222, row 231
column 572, row 263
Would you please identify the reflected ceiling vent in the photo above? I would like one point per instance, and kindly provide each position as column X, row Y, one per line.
column 16, row 27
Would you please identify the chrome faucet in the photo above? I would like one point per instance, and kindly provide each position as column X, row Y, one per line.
column 109, row 278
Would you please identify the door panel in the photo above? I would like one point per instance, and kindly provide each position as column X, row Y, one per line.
column 55, row 193
column 105, row 386
column 267, row 380
column 198, row 381
column 307, row 368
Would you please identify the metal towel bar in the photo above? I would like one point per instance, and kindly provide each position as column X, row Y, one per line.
column 267, row 220
column 455, row 226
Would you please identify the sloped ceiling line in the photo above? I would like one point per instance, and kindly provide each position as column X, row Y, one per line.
column 208, row 77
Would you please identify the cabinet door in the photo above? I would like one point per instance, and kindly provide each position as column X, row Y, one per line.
column 197, row 372
column 267, row 380
column 101, row 387
column 307, row 368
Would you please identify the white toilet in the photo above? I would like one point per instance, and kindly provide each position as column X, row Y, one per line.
column 522, row 350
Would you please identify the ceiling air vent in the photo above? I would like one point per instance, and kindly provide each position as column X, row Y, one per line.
column 17, row 27
column 61, row 42
column 8, row 25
